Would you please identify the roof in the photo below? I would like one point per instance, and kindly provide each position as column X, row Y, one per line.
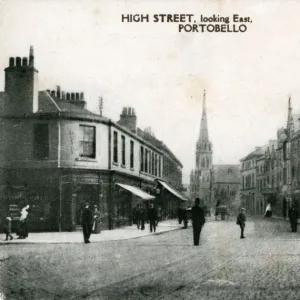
column 226, row 173
column 256, row 153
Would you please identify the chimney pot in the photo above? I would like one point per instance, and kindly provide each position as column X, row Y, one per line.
column 58, row 92
column 72, row 96
column 53, row 93
column 11, row 61
column 63, row 95
column 24, row 62
column 48, row 91
column 18, row 62
column 77, row 96
column 31, row 56
column 68, row 96
column 82, row 96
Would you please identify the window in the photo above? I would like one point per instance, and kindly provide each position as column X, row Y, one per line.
column 88, row 141
column 146, row 160
column 123, row 151
column 142, row 159
column 115, row 147
column 131, row 154
column 41, row 141
column 159, row 166
column 156, row 162
column 153, row 164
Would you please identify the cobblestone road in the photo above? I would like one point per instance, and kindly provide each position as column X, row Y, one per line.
column 263, row 266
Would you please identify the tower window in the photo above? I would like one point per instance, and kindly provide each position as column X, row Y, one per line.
column 88, row 141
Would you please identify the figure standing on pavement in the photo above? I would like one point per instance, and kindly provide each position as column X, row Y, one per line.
column 268, row 212
column 198, row 220
column 96, row 223
column 152, row 217
column 159, row 213
column 23, row 226
column 293, row 215
column 241, row 221
column 138, row 216
column 87, row 223
column 7, row 228
column 142, row 216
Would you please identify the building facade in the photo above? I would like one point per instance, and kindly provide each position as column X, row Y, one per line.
column 212, row 183
column 56, row 155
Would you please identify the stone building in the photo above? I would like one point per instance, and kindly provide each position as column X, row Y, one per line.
column 212, row 183
column 56, row 155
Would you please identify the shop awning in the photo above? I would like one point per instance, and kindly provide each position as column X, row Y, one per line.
column 172, row 190
column 134, row 190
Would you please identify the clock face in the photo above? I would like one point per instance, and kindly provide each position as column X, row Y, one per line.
column 283, row 136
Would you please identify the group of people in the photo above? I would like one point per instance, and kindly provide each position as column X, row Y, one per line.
column 152, row 215
column 21, row 228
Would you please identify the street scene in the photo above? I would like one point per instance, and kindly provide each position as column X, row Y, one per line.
column 164, row 266
column 143, row 159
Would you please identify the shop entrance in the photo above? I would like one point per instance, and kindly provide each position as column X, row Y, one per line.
column 86, row 193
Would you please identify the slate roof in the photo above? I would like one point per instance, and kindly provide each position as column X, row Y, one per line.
column 226, row 173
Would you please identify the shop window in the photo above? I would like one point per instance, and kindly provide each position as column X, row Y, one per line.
column 41, row 141
column 131, row 154
column 88, row 141
column 115, row 154
column 123, row 151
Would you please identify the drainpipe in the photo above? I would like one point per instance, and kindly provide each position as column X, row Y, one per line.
column 110, row 226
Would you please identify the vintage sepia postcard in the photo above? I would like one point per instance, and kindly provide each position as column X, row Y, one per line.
column 149, row 149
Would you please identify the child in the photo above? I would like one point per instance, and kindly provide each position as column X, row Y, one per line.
column 7, row 228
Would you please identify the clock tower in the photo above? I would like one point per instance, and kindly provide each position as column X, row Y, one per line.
column 204, row 151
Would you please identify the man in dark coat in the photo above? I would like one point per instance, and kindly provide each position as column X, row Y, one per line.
column 241, row 221
column 293, row 215
column 198, row 221
column 152, row 217
column 87, row 223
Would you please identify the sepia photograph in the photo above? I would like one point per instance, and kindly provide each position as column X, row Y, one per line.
column 149, row 149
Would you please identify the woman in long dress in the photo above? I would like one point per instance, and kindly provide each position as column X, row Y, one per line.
column 268, row 212
column 96, row 224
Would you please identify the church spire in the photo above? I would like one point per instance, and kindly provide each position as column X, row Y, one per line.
column 203, row 127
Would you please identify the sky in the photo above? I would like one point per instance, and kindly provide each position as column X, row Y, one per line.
column 248, row 77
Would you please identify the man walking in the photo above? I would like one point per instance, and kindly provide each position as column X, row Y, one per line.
column 293, row 215
column 152, row 217
column 241, row 221
column 198, row 221
column 87, row 223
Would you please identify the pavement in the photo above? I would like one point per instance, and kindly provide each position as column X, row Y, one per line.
column 124, row 233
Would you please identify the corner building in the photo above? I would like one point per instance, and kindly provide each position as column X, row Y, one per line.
column 56, row 155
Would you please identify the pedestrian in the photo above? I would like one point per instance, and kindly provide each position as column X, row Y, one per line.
column 7, row 228
column 159, row 215
column 138, row 216
column 293, row 216
column 142, row 216
column 241, row 221
column 23, row 226
column 268, row 213
column 198, row 220
column 87, row 223
column 96, row 223
column 152, row 217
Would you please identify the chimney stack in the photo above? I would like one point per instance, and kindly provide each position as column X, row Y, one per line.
column 128, row 119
